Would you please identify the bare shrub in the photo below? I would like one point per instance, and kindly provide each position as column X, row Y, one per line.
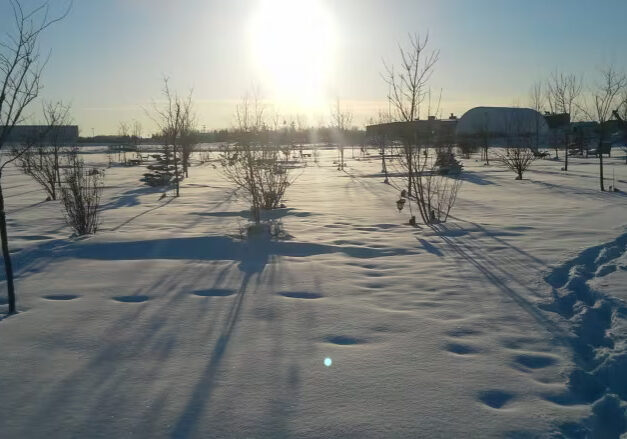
column 39, row 164
column 80, row 195
column 40, row 157
column 260, row 171
column 433, row 193
column 253, row 164
column 517, row 159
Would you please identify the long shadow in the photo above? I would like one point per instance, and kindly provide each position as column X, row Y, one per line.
column 430, row 247
column 24, row 193
column 577, row 191
column 145, row 331
column 210, row 248
column 119, row 226
column 475, row 178
column 11, row 212
column 33, row 259
column 444, row 229
column 265, row 214
column 475, row 259
column 252, row 262
column 131, row 197
column 191, row 414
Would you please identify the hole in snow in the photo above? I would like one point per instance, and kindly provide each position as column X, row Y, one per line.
column 343, row 340
column 495, row 398
column 460, row 349
column 216, row 292
column 61, row 297
column 301, row 295
column 131, row 299
column 535, row 361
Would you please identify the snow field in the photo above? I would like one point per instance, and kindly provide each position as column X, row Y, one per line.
column 507, row 321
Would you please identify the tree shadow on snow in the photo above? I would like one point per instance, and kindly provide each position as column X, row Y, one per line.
column 154, row 330
column 130, row 198
column 253, row 254
column 265, row 214
column 500, row 270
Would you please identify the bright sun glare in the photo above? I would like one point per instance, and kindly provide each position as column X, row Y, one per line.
column 293, row 44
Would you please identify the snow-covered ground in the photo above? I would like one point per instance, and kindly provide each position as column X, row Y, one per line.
column 507, row 321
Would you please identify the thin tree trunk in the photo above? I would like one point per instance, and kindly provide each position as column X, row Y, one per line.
column 8, row 267
column 600, row 152
column 566, row 153
column 601, row 171
column 176, row 168
column 383, row 164
column 56, row 166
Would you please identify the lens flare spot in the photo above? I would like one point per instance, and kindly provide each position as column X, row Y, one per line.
column 328, row 362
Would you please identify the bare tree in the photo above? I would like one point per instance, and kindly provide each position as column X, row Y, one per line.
column 56, row 114
column 340, row 121
column 136, row 137
column 40, row 156
column 381, row 141
column 124, row 134
column 408, row 84
column 80, row 195
column 537, row 102
column 622, row 115
column 172, row 118
column 563, row 94
column 407, row 89
column 20, row 74
column 253, row 164
column 188, row 135
column 605, row 98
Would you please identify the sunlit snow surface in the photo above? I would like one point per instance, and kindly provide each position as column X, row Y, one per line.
column 166, row 324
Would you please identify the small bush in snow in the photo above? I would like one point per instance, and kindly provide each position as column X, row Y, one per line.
column 431, row 191
column 256, row 165
column 261, row 171
column 41, row 164
column 517, row 160
column 80, row 195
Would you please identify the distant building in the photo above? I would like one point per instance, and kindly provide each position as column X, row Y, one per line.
column 429, row 131
column 503, row 126
column 64, row 134
column 557, row 121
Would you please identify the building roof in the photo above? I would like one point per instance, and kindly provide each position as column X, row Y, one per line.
column 501, row 122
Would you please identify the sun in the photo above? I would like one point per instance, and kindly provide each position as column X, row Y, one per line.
column 293, row 44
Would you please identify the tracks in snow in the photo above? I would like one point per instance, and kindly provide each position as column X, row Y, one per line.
column 599, row 339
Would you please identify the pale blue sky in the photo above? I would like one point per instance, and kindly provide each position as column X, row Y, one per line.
column 109, row 56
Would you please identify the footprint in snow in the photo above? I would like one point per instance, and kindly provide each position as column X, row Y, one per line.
column 214, row 292
column 495, row 399
column 461, row 349
column 535, row 361
column 61, row 297
column 131, row 299
column 343, row 340
column 301, row 295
